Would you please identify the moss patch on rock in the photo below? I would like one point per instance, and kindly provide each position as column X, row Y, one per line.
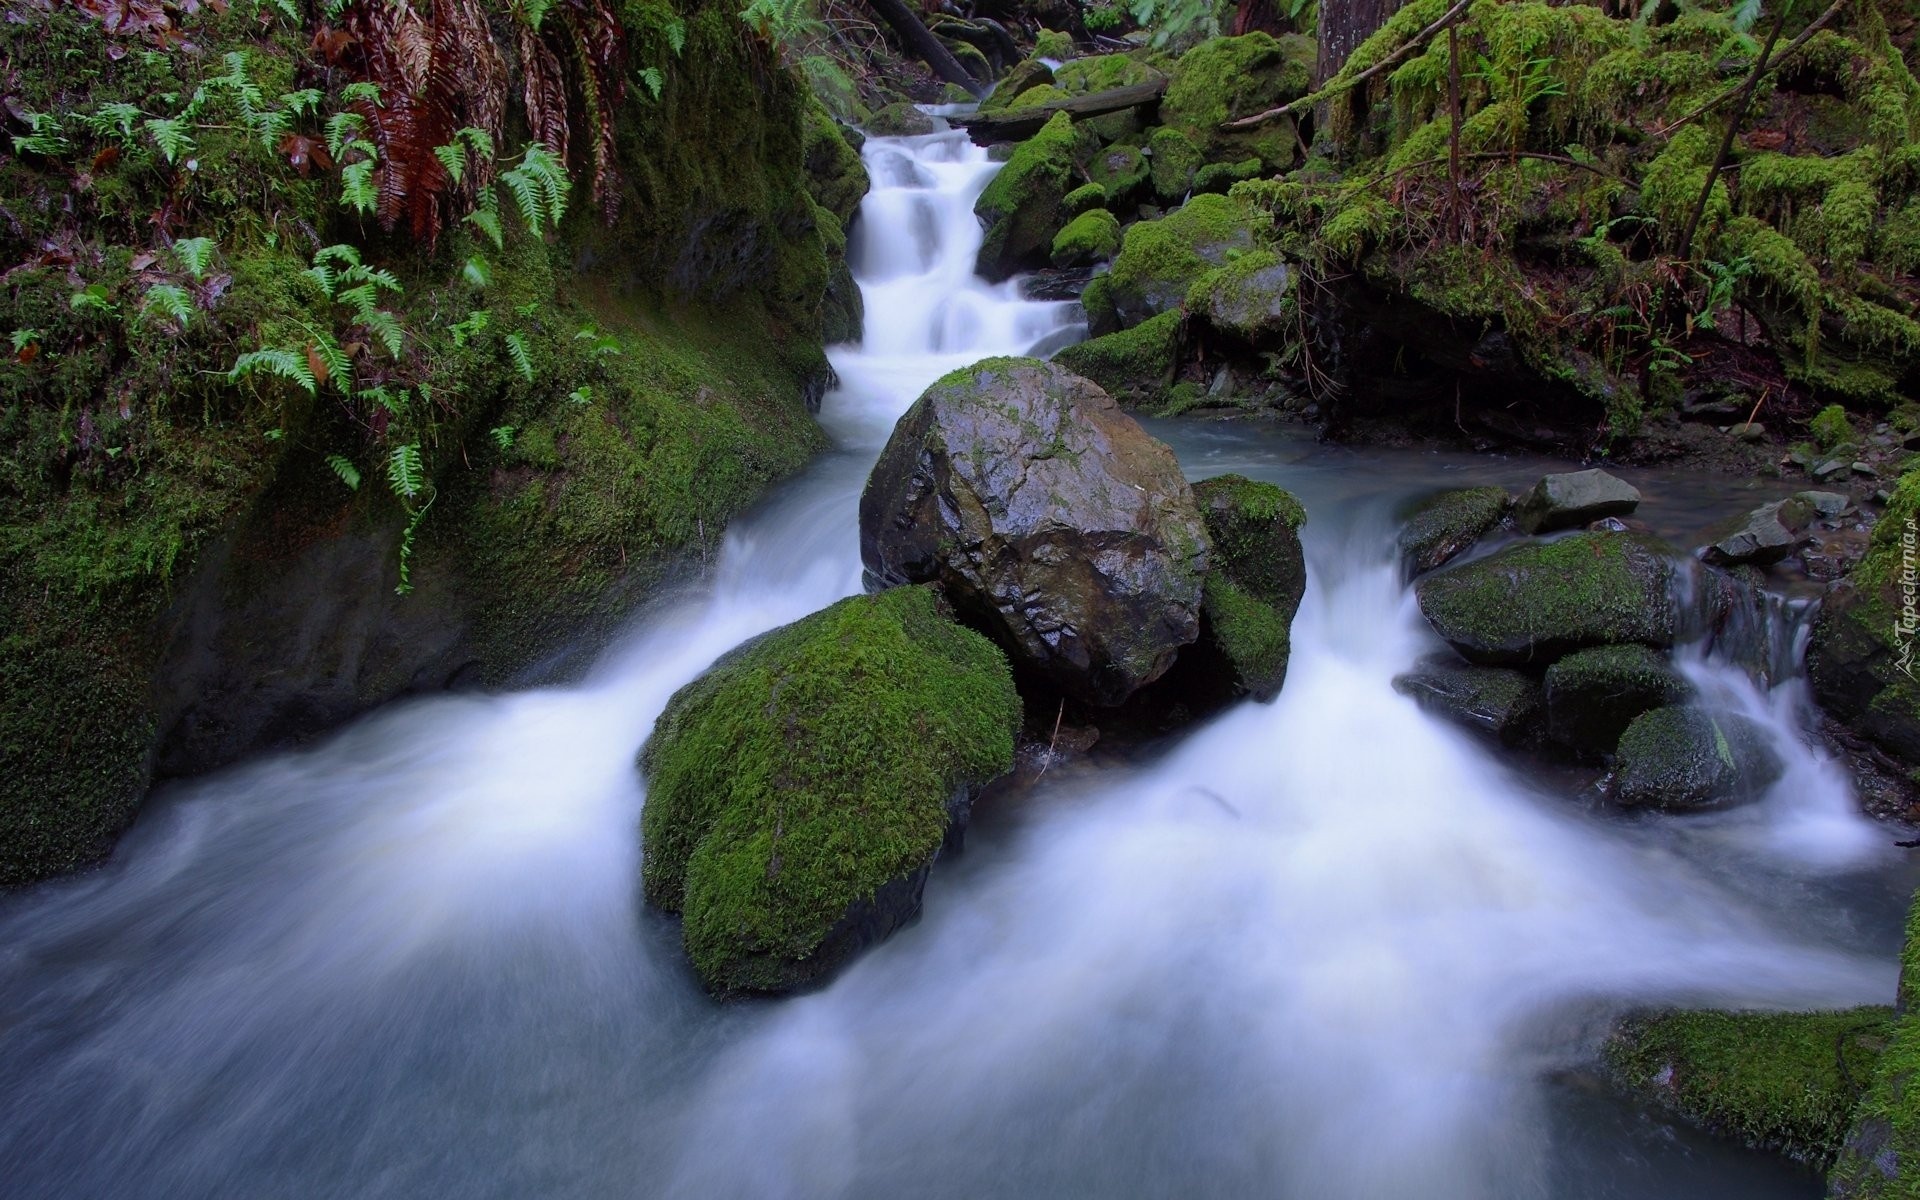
column 1133, row 365
column 1880, row 1158
column 1160, row 261
column 811, row 769
column 1679, row 757
column 1089, row 238
column 1226, row 78
column 1449, row 523
column 1256, row 580
column 1783, row 1082
column 1864, row 637
column 1593, row 695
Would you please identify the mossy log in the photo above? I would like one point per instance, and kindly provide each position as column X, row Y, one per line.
column 986, row 128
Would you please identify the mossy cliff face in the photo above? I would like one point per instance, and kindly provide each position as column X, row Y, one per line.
column 1880, row 1159
column 1862, row 660
column 798, row 791
column 1786, row 1082
column 189, row 576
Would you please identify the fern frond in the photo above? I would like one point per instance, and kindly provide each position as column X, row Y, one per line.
column 502, row 436
column 517, row 351
column 283, row 363
column 386, row 327
column 168, row 301
column 170, row 135
column 194, row 254
column 343, row 467
column 405, row 473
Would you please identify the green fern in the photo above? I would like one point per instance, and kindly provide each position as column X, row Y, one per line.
column 333, row 357
column 394, row 402
column 463, row 331
column 92, row 299
column 653, row 80
column 362, row 93
column 115, row 120
column 356, row 186
column 342, row 128
column 44, row 137
column 582, row 395
column 476, row 273
column 502, row 436
column 169, row 301
column 194, row 254
column 517, row 351
column 283, row 363
column 385, row 327
column 539, row 186
column 303, row 102
column 344, row 468
column 405, row 473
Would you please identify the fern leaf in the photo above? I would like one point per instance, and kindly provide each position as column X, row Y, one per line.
column 168, row 301
column 405, row 473
column 453, row 160
column 502, row 436
column 476, row 273
column 170, row 135
column 343, row 127
column 284, row 363
column 194, row 254
column 343, row 467
column 517, row 351
column 489, row 224
column 386, row 327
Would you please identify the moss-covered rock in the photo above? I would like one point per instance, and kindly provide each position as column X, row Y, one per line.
column 835, row 175
column 1219, row 177
column 1089, row 238
column 1160, row 261
column 1133, row 365
column 1535, row 601
column 1574, row 498
column 1174, row 159
column 900, row 119
column 1498, row 700
column 1021, row 78
column 1447, row 524
column 1122, row 173
column 1681, row 757
column 799, row 791
column 1593, row 695
column 1083, row 199
column 1783, row 1082
column 1020, row 206
column 1250, row 300
column 1861, row 659
column 1226, row 78
column 1880, row 1157
column 1254, row 585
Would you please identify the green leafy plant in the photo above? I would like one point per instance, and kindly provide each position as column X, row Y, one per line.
column 502, row 436
column 167, row 301
column 343, row 468
column 539, row 185
column 522, row 360
column 194, row 254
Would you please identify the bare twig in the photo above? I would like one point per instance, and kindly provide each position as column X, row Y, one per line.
column 1337, row 85
column 1733, row 128
column 1793, row 48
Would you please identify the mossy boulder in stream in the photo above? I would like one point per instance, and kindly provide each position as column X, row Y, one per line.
column 1783, row 1082
column 1089, row 238
column 1250, row 300
column 1054, row 523
column 1133, row 365
column 1446, row 525
column 1535, row 601
column 902, row 118
column 1593, row 695
column 1173, row 160
column 1161, row 260
column 799, row 791
column 1253, row 589
column 1497, row 700
column 1680, row 757
column 1021, row 204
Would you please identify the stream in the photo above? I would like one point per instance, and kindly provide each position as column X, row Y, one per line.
column 1320, row 949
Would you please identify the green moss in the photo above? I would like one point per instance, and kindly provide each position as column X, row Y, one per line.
column 1536, row 601
column 1133, row 365
column 1089, row 238
column 1101, row 73
column 809, row 769
column 1174, row 160
column 1255, row 581
column 1083, row 199
column 1160, row 260
column 1219, row 177
column 1446, row 524
column 1785, row 1082
column 1051, row 43
column 1122, row 172
column 1225, row 78
column 1831, row 428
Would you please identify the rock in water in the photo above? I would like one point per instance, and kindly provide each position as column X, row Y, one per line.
column 1593, row 695
column 1679, row 757
column 1253, row 591
column 1533, row 602
column 1448, row 524
column 1765, row 535
column 1053, row 521
column 1571, row 500
column 1494, row 700
column 799, row 791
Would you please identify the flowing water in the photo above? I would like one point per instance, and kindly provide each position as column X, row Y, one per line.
column 1322, row 948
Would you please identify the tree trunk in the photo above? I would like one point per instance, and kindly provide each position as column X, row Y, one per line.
column 921, row 41
column 1344, row 24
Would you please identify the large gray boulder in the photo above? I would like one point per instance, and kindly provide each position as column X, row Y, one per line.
column 1678, row 757
column 1533, row 602
column 1055, row 524
column 1571, row 500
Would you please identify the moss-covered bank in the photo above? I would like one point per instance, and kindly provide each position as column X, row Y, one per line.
column 199, row 561
column 798, row 791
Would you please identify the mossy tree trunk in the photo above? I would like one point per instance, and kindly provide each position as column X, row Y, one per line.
column 918, row 38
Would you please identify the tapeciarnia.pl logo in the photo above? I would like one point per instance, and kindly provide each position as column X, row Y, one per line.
column 1907, row 623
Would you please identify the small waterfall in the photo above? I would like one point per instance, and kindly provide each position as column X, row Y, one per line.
column 1323, row 948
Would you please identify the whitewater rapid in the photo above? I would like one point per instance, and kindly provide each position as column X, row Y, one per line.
column 1324, row 948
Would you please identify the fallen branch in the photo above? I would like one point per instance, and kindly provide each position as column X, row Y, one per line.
column 1337, row 86
column 923, row 42
column 989, row 127
column 1793, row 48
column 1733, row 128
